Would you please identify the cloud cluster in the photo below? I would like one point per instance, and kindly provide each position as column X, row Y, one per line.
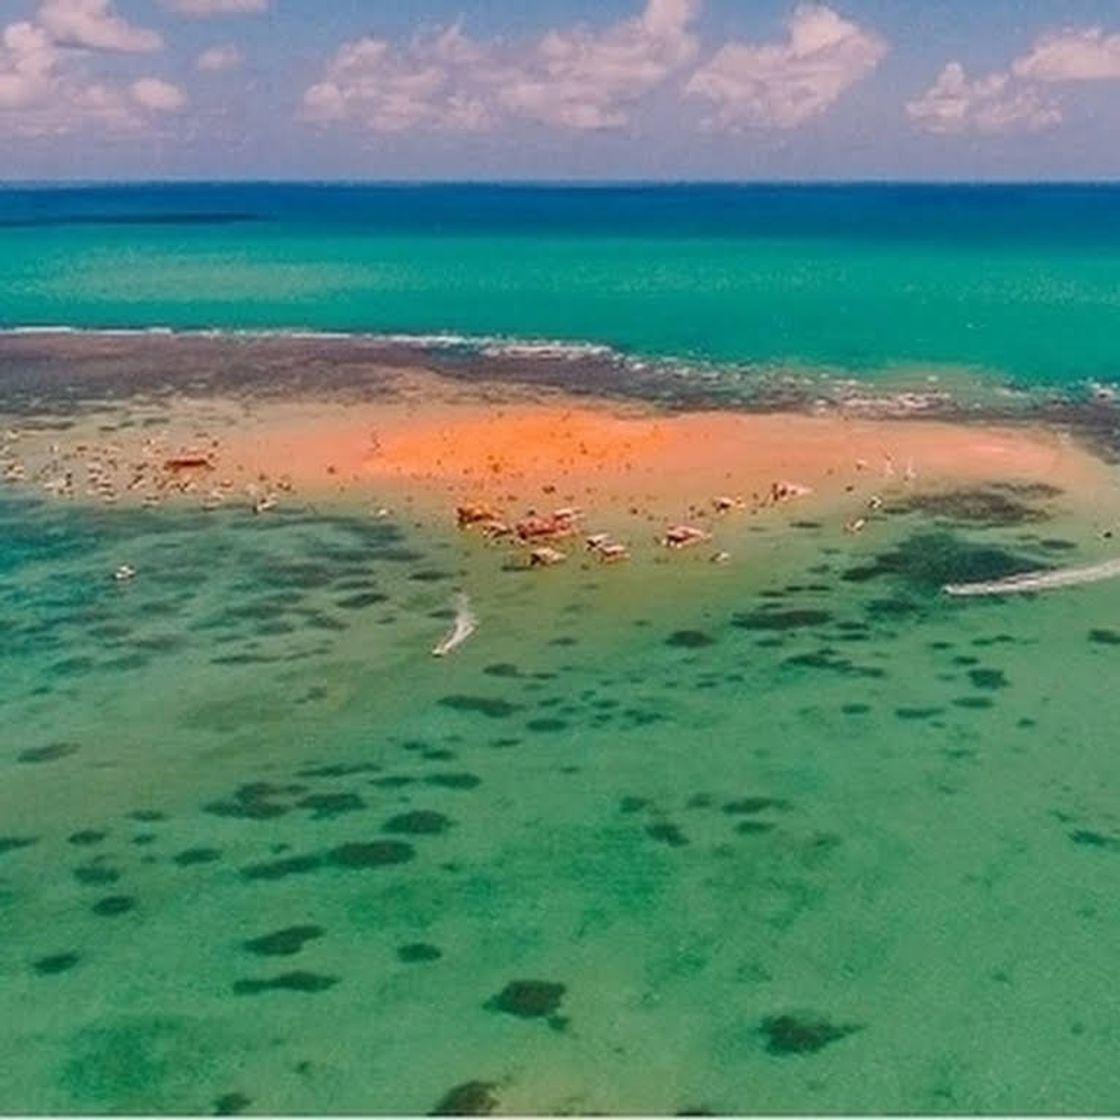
column 783, row 85
column 218, row 58
column 1073, row 55
column 580, row 79
column 217, row 7
column 1014, row 100
column 45, row 84
column 573, row 78
column 992, row 104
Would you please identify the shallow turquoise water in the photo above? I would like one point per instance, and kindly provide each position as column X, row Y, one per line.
column 1018, row 283
column 798, row 834
column 795, row 834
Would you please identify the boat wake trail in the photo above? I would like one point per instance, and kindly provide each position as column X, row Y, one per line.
column 464, row 627
column 1038, row 581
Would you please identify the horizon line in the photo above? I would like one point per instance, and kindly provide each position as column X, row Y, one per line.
column 30, row 182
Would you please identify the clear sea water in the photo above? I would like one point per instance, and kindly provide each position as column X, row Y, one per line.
column 797, row 834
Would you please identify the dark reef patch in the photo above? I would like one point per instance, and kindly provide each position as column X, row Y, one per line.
column 1104, row 637
column 547, row 724
column 981, row 506
column 750, row 805
column 472, row 1098
column 927, row 561
column 689, row 639
column 112, row 905
column 777, row 620
column 231, row 1104
column 418, row 952
column 797, row 1034
column 15, row 843
column 96, row 874
column 51, row 752
column 455, row 781
column 667, row 833
column 298, row 981
column 1089, row 839
column 418, row 822
column 528, row 999
column 85, row 837
column 990, row 679
column 282, row 868
column 372, row 853
column 491, row 707
column 191, row 857
column 283, row 942
column 255, row 801
column 325, row 805
column 55, row 963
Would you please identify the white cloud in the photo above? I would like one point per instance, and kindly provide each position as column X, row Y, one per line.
column 157, row 95
column 783, row 85
column 94, row 24
column 28, row 59
column 223, row 57
column 46, row 87
column 1072, row 55
column 993, row 104
column 571, row 78
column 217, row 7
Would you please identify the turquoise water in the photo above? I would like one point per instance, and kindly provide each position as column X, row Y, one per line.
column 1017, row 282
column 798, row 833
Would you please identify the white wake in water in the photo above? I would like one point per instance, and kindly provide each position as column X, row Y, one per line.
column 1038, row 581
column 464, row 626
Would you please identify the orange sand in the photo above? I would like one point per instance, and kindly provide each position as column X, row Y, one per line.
column 520, row 455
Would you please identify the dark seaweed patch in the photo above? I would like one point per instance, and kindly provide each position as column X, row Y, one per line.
column 455, row 781
column 630, row 804
column 1104, row 637
column 928, row 561
column 991, row 679
column 85, row 837
column 1089, row 839
column 372, row 853
column 49, row 753
column 190, row 857
column 744, row 806
column 231, row 1104
column 55, row 963
column 776, row 620
column 796, row 1034
column 667, row 833
column 855, row 709
column 325, row 805
column 147, row 816
column 283, row 942
column 338, row 770
column 975, row 702
column 14, row 843
column 752, row 828
column 825, row 660
column 980, row 506
column 528, row 999
column 282, row 868
column 254, row 801
column 689, row 639
column 491, row 707
column 418, row 952
column 362, row 600
column 418, row 822
column 472, row 1098
column 112, row 905
column 502, row 669
column 546, row 724
column 94, row 874
column 917, row 713
column 298, row 981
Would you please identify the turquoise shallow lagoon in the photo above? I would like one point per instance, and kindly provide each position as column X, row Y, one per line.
column 798, row 833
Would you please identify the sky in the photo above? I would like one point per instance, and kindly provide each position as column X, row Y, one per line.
column 559, row 89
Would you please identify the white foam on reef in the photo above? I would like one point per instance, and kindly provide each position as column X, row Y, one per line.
column 1038, row 581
